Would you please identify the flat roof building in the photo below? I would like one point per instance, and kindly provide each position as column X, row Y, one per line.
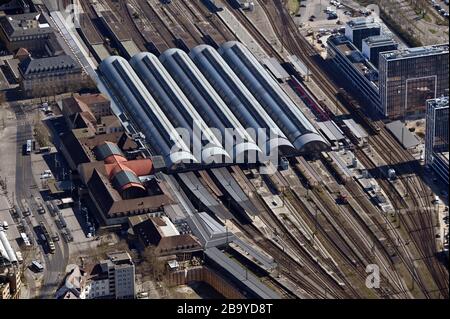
column 363, row 76
column 409, row 77
column 436, row 136
column 356, row 30
column 374, row 45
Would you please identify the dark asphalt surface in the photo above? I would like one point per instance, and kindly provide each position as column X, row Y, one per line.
column 26, row 188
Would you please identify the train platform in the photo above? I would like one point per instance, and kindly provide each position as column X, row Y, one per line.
column 242, row 34
column 261, row 21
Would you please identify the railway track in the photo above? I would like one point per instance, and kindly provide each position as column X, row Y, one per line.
column 214, row 21
column 295, row 257
column 399, row 205
column 119, row 8
column 297, row 44
column 327, row 229
column 351, row 229
column 290, row 267
column 415, row 218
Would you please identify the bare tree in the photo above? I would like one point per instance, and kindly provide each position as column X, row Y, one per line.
column 152, row 265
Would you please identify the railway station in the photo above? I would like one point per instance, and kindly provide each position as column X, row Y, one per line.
column 186, row 90
column 224, row 153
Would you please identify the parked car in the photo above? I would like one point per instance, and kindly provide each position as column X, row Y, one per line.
column 58, row 224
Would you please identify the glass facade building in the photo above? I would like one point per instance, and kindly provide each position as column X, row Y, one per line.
column 360, row 73
column 409, row 77
column 356, row 30
column 436, row 136
column 373, row 46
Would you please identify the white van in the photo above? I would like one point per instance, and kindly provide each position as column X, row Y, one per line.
column 5, row 225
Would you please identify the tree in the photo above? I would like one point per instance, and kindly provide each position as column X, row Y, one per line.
column 152, row 265
column 41, row 132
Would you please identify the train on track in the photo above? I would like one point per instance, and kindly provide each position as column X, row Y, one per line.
column 355, row 109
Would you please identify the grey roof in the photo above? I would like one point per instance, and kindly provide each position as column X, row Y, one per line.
column 207, row 230
column 208, row 102
column 126, row 87
column 4, row 84
column 123, row 178
column 362, row 23
column 402, row 134
column 298, row 65
column 213, row 227
column 242, row 276
column 192, row 182
column 49, row 65
column 228, row 182
column 275, row 68
column 407, row 53
column 356, row 129
column 264, row 261
column 237, row 97
column 16, row 26
column 177, row 106
column 379, row 40
column 331, row 130
column 107, row 149
column 275, row 101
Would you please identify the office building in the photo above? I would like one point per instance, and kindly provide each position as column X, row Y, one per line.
column 358, row 29
column 436, row 136
column 361, row 74
column 119, row 271
column 409, row 77
column 374, row 45
column 110, row 278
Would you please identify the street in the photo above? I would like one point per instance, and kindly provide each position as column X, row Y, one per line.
column 26, row 188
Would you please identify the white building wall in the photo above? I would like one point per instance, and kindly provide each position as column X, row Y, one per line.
column 97, row 289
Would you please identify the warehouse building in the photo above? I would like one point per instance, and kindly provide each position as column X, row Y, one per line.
column 211, row 106
column 179, row 110
column 275, row 101
column 239, row 100
column 129, row 92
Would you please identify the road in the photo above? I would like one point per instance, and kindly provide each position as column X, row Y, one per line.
column 27, row 189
